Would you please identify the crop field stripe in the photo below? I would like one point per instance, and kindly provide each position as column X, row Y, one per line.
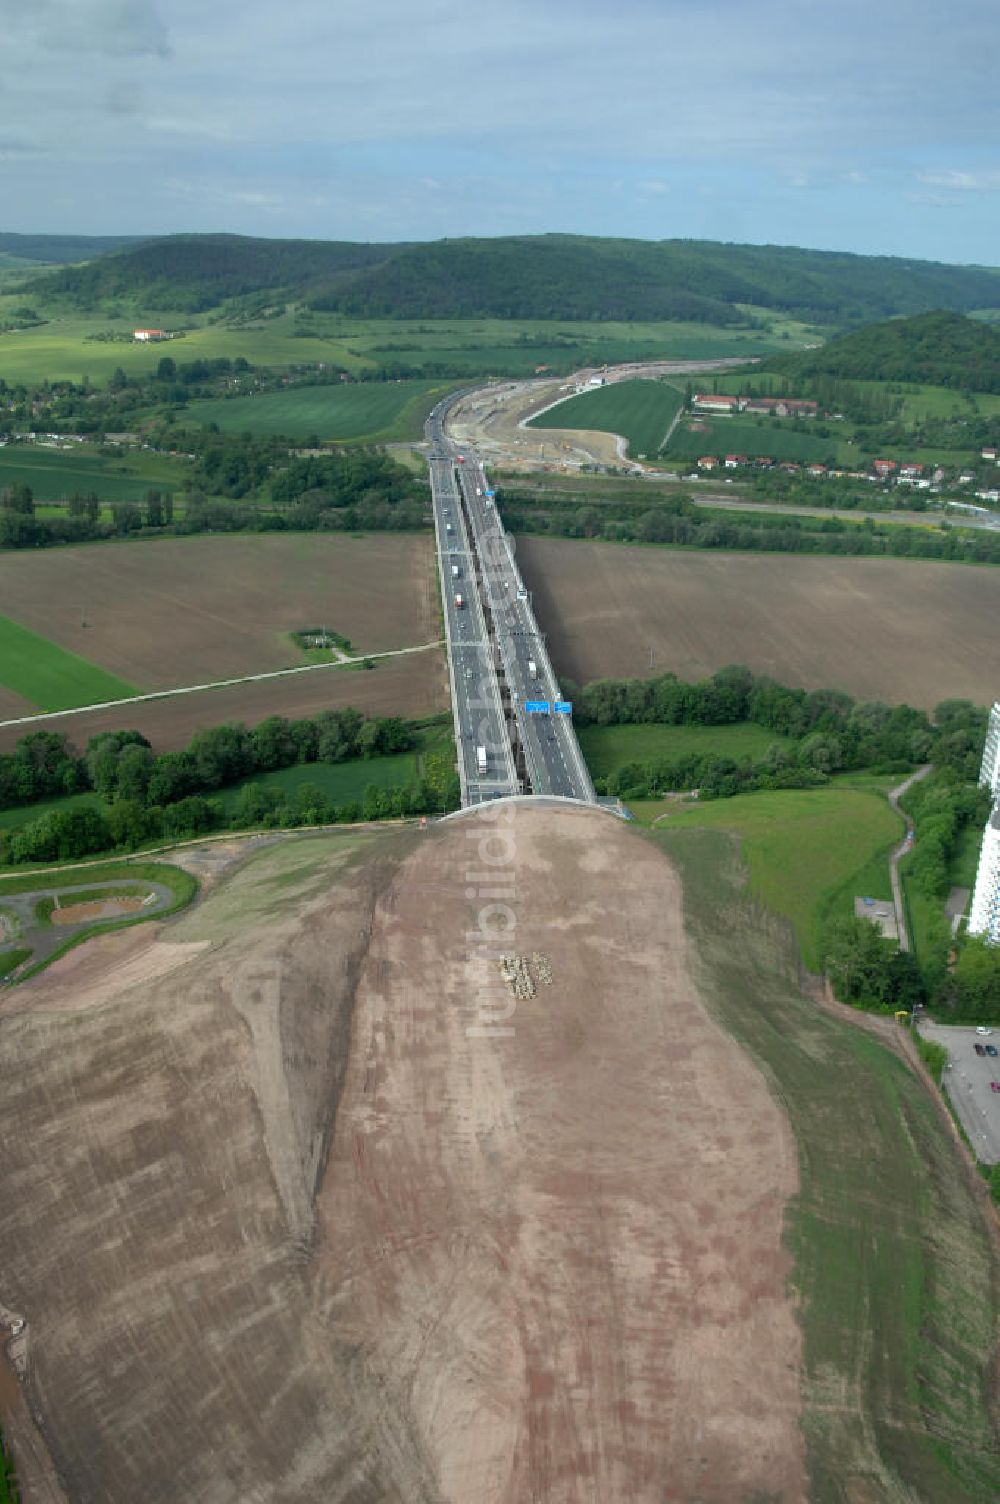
column 47, row 675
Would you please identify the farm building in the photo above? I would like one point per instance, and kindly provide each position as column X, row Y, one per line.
column 144, row 335
column 710, row 402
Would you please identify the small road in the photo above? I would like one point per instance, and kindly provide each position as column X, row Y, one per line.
column 967, row 1079
column 44, row 937
column 904, row 846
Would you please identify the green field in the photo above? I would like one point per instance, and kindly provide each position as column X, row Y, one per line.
column 60, row 349
column 641, row 411
column 802, row 847
column 388, row 410
column 608, row 748
column 55, row 474
column 50, row 678
column 342, row 782
column 893, row 1265
column 22, row 814
column 780, row 438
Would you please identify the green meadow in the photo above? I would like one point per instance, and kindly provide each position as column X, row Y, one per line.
column 388, row 410
column 641, row 411
column 55, row 474
column 49, row 677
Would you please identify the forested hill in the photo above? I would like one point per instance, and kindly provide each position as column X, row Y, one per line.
column 60, row 250
column 942, row 349
column 538, row 277
column 192, row 273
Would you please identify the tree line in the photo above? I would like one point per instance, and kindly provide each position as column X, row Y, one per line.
column 343, row 491
column 673, row 523
column 168, row 796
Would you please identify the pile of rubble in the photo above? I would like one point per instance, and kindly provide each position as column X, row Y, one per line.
column 543, row 969
column 516, row 972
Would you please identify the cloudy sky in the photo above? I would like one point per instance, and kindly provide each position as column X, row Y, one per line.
column 865, row 125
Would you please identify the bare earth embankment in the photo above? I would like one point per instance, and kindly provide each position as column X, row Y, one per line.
column 894, row 630
column 286, row 1227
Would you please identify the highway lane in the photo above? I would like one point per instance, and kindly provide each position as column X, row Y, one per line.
column 475, row 691
column 498, row 660
column 553, row 758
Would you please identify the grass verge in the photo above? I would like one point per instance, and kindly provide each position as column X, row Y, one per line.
column 803, row 848
column 893, row 1264
column 10, row 960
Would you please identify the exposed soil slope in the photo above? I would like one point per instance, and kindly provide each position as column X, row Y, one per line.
column 305, row 1218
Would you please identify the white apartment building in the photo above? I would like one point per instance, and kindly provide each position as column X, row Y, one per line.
column 984, row 917
column 989, row 773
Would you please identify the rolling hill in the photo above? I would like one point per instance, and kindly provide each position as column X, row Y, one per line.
column 939, row 348
column 525, row 277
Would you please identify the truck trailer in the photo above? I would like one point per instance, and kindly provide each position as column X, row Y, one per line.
column 459, row 601
column 481, row 759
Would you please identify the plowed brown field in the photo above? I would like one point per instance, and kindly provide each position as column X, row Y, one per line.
column 892, row 630
column 304, row 1218
column 191, row 610
column 415, row 684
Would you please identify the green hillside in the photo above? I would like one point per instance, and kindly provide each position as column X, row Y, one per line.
column 191, row 273
column 524, row 277
column 59, row 250
column 937, row 349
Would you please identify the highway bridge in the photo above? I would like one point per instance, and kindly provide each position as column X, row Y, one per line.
column 513, row 731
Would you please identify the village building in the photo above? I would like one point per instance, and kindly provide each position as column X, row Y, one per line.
column 713, row 402
column 145, row 335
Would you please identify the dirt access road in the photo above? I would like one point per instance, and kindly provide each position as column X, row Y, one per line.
column 291, row 1221
column 494, row 419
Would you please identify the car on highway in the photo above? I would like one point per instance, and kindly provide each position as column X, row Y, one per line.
column 979, row 1049
column 995, row 1086
column 981, row 1030
column 991, row 1049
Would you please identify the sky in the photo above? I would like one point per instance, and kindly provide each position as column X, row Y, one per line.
column 860, row 125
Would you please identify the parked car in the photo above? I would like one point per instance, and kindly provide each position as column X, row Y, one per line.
column 979, row 1049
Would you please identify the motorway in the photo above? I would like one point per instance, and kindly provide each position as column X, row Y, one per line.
column 477, row 708
column 498, row 660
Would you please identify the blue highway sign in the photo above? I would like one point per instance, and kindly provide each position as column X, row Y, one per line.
column 537, row 707
column 563, row 707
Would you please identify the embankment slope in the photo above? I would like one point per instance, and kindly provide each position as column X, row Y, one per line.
column 291, row 1221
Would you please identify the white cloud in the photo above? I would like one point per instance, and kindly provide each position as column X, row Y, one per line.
column 963, row 182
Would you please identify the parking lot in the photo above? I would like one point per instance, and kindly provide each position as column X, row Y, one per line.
column 967, row 1080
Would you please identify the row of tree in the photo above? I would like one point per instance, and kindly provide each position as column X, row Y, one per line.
column 839, row 732
column 122, row 764
column 128, row 823
column 619, row 521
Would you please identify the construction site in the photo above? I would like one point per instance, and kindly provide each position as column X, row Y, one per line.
column 356, row 1182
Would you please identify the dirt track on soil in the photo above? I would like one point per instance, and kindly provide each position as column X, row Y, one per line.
column 187, row 610
column 412, row 685
column 893, row 630
column 543, row 1264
